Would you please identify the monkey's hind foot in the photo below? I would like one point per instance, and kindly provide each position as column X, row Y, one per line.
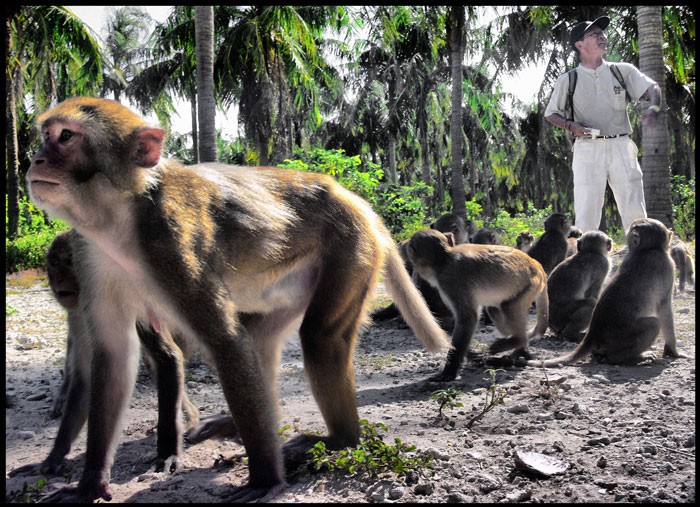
column 506, row 344
column 445, row 376
column 248, row 493
column 218, row 426
column 168, row 465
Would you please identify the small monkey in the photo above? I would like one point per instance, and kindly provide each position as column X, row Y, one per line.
column 635, row 305
column 684, row 263
column 234, row 258
column 461, row 230
column 524, row 241
column 574, row 285
column 550, row 248
column 72, row 400
column 486, row 236
column 503, row 279
column 574, row 234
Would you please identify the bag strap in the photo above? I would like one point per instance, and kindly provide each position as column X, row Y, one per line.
column 618, row 75
column 573, row 77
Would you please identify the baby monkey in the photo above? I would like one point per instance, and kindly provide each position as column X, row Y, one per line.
column 635, row 305
column 503, row 279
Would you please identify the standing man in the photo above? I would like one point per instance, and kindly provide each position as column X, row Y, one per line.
column 603, row 149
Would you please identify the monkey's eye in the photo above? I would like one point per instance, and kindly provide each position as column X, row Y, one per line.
column 65, row 135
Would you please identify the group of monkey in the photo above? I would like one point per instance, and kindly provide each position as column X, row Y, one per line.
column 168, row 258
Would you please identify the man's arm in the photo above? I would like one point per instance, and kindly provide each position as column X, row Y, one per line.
column 578, row 129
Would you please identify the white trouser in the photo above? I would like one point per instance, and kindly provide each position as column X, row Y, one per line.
column 597, row 161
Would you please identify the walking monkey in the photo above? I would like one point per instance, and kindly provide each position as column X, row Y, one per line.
column 232, row 257
column 635, row 305
column 503, row 279
column 550, row 248
column 684, row 263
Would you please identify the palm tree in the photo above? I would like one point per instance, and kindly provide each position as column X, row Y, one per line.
column 459, row 205
column 204, row 35
column 126, row 29
column 45, row 64
column 655, row 143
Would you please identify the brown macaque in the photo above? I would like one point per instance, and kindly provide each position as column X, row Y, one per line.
column 460, row 226
column 461, row 229
column 635, row 304
column 574, row 234
column 684, row 263
column 234, row 258
column 163, row 357
column 524, row 241
column 486, row 236
column 550, row 248
column 575, row 284
column 503, row 279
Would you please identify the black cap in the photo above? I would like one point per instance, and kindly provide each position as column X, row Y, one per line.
column 579, row 30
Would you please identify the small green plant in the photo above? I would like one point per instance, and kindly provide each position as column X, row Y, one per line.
column 495, row 394
column 28, row 491
column 9, row 310
column 446, row 398
column 372, row 455
column 549, row 390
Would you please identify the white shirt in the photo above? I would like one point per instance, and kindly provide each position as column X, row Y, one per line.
column 599, row 99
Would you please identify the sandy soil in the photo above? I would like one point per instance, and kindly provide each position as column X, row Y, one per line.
column 620, row 434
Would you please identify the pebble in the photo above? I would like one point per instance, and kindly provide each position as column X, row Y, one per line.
column 457, row 498
column 521, row 408
column 37, row 397
column 424, row 489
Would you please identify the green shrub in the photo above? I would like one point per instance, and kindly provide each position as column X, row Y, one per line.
column 683, row 196
column 28, row 248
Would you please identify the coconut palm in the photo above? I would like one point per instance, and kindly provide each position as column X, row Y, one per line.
column 204, row 36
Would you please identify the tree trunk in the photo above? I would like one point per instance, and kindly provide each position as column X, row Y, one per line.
column 391, row 155
column 195, row 136
column 655, row 143
column 459, row 204
column 12, row 184
column 204, row 40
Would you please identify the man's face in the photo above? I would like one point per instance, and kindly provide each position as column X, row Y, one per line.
column 594, row 41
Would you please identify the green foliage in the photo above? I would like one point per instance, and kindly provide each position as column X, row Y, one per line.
column 371, row 455
column 446, row 398
column 28, row 248
column 683, row 195
column 495, row 394
column 510, row 226
column 401, row 207
column 9, row 310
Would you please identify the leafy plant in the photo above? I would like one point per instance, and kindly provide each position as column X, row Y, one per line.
column 372, row 455
column 495, row 394
column 683, row 196
column 446, row 398
column 9, row 310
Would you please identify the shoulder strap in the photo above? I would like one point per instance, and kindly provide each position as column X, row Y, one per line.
column 573, row 76
column 618, row 75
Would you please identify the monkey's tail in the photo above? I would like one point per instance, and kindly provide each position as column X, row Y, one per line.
column 542, row 303
column 411, row 304
column 581, row 351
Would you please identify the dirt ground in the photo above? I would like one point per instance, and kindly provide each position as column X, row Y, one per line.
column 612, row 433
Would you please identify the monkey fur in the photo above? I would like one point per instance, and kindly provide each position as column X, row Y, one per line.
column 684, row 263
column 71, row 403
column 571, row 240
column 503, row 279
column 550, row 248
column 574, row 285
column 486, row 236
column 635, row 304
column 234, row 258
column 524, row 241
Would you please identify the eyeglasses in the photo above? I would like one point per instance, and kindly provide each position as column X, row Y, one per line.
column 595, row 34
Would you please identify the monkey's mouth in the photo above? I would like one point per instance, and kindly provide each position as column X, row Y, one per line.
column 65, row 293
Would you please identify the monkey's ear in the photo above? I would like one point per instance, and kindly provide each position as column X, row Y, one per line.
column 450, row 238
column 150, row 147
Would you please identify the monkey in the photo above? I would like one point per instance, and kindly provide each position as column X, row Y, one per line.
column 684, row 263
column 486, row 236
column 635, row 304
column 462, row 230
column 503, row 279
column 550, row 248
column 73, row 393
column 460, row 226
column 524, row 241
column 574, row 285
column 571, row 240
column 232, row 257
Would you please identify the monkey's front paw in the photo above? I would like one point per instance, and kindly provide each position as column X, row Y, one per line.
column 169, row 465
column 77, row 494
column 668, row 352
